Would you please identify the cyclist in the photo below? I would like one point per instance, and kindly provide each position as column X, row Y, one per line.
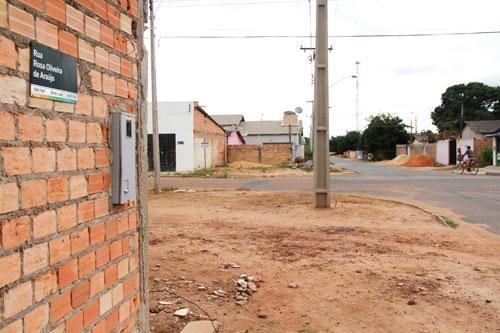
column 468, row 157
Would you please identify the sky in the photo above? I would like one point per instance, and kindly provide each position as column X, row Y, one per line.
column 262, row 78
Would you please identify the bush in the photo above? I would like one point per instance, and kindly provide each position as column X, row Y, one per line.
column 486, row 157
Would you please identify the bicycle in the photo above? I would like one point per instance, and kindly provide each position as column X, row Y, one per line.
column 472, row 167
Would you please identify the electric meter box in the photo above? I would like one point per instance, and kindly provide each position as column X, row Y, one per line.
column 124, row 165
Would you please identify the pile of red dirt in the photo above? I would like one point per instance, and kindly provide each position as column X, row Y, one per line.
column 420, row 161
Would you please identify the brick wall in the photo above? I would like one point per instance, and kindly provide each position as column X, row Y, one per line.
column 206, row 129
column 426, row 149
column 268, row 153
column 69, row 260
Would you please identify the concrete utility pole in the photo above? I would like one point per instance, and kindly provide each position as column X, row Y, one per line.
column 321, row 118
column 357, row 95
column 156, row 138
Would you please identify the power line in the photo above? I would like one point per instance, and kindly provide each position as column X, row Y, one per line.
column 176, row 4
column 435, row 34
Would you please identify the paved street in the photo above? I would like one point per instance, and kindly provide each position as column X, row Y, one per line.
column 475, row 198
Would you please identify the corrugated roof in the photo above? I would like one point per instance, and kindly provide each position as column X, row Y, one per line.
column 228, row 119
column 484, row 126
column 269, row 128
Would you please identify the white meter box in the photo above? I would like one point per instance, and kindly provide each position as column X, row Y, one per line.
column 123, row 140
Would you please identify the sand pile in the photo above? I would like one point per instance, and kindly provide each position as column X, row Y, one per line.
column 420, row 161
column 399, row 160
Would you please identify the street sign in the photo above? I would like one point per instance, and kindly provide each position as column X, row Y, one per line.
column 204, row 144
column 53, row 74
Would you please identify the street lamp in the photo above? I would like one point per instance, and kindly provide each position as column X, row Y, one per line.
column 354, row 76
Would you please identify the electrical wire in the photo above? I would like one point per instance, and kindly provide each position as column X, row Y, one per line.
column 174, row 4
column 432, row 34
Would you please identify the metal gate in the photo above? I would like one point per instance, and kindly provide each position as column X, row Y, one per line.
column 453, row 152
column 167, row 152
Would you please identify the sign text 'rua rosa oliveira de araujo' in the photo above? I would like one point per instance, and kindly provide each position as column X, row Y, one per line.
column 52, row 74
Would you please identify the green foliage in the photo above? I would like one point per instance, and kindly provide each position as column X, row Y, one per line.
column 481, row 102
column 383, row 133
column 350, row 141
column 486, row 157
column 308, row 153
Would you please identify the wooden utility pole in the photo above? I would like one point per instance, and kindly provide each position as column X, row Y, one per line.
column 321, row 117
column 156, row 138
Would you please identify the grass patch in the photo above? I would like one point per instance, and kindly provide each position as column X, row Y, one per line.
column 452, row 224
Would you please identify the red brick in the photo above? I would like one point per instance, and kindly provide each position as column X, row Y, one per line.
column 74, row 19
column 44, row 224
column 60, row 249
column 91, row 313
column 121, row 88
column 85, row 51
column 114, row 16
column 92, row 28
column 60, row 307
column 132, row 91
column 30, row 128
column 77, row 187
column 134, row 303
column 128, row 285
column 111, row 275
column 86, row 264
column 45, row 285
column 37, row 320
column 74, row 324
column 12, row 261
column 115, row 249
column 17, row 299
column 7, row 128
column 123, row 224
column 68, row 273
column 86, row 3
column 120, row 43
column 66, row 159
column 56, row 9
column 107, row 36
column 44, row 159
column 100, row 8
column 94, row 133
column 79, row 240
column 35, row 258
column 95, row 183
column 24, row 61
column 124, row 311
column 102, row 207
column 67, row 217
column 100, row 107
column 56, row 130
column 84, row 105
column 102, row 158
column 36, row 4
column 102, row 256
column 47, row 33
column 112, row 321
column 125, row 246
column 97, row 284
column 123, row 268
column 64, row 107
column 86, row 211
column 34, row 193
column 96, row 80
column 111, row 229
column 58, row 189
column 7, row 53
column 14, row 232
column 97, row 233
column 21, row 22
column 17, row 161
column 126, row 24
column 80, row 294
column 101, row 57
column 108, row 84
column 100, row 327
column 16, row 326
column 126, row 68
column 132, row 221
column 68, row 43
column 106, row 179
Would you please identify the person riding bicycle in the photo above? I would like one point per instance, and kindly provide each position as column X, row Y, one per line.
column 468, row 157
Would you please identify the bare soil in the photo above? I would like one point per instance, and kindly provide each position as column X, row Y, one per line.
column 359, row 266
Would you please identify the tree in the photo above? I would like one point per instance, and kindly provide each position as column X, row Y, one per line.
column 382, row 134
column 481, row 102
column 341, row 143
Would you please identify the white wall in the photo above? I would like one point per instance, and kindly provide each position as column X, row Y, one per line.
column 468, row 134
column 177, row 118
column 443, row 152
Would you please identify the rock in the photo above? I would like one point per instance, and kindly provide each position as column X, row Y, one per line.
column 250, row 278
column 202, row 288
column 401, row 284
column 252, row 287
column 165, row 303
column 240, row 298
column 182, row 313
column 242, row 283
column 241, row 303
column 488, row 301
column 202, row 326
column 293, row 285
column 243, row 276
column 262, row 315
column 412, row 302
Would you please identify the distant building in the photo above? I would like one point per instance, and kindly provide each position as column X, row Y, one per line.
column 189, row 138
column 260, row 132
column 480, row 129
column 232, row 123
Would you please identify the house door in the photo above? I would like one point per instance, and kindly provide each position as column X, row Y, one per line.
column 453, row 152
column 167, row 152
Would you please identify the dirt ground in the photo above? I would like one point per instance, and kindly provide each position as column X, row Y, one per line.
column 363, row 266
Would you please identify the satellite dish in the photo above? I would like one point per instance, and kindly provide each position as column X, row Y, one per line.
column 298, row 110
column 243, row 133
